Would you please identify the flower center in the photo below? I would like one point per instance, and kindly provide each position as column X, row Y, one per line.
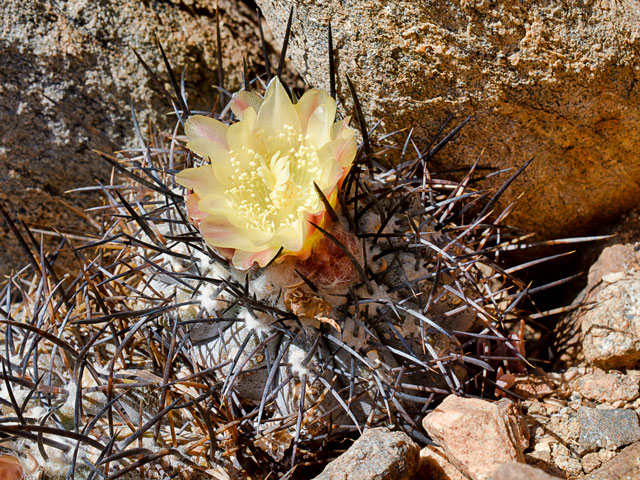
column 269, row 190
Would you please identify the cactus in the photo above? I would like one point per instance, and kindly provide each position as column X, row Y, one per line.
column 162, row 356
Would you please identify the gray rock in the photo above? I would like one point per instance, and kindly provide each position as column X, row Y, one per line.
column 378, row 454
column 611, row 429
column 551, row 80
column 67, row 74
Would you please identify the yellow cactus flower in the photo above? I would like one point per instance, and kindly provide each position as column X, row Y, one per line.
column 257, row 194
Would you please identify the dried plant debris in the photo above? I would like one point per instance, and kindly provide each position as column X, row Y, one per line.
column 158, row 359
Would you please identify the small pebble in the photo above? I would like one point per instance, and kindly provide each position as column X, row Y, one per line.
column 568, row 464
column 590, row 462
column 611, row 428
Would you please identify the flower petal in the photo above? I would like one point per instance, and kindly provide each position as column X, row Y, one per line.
column 226, row 252
column 215, row 205
column 278, row 120
column 341, row 129
column 243, row 100
column 244, row 260
column 343, row 151
column 208, row 138
column 201, row 179
column 332, row 170
column 319, row 128
column 317, row 111
column 193, row 209
column 290, row 237
column 242, row 136
column 312, row 235
column 219, row 232
column 201, row 129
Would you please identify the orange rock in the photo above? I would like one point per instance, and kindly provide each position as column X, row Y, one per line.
column 468, row 428
column 435, row 466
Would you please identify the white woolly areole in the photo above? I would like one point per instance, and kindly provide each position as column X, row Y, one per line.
column 265, row 287
column 251, row 321
column 57, row 463
column 202, row 258
column 177, row 263
column 208, row 299
column 296, row 359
